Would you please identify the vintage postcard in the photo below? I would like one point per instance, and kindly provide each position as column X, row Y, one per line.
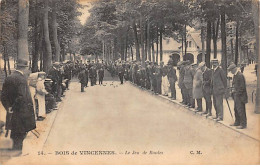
column 129, row 82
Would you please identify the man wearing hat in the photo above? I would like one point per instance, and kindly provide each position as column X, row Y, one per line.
column 239, row 95
column 219, row 84
column 188, row 83
column 16, row 99
column 206, row 87
column 181, row 66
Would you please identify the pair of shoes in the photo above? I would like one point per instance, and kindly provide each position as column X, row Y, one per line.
column 209, row 114
column 219, row 119
column 241, row 127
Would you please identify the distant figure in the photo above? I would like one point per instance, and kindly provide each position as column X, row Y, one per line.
column 172, row 77
column 240, row 97
column 256, row 66
column 101, row 75
column 82, row 79
column 242, row 68
column 121, row 73
column 16, row 99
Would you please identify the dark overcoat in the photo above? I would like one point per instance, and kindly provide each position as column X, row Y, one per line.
column 16, row 94
column 239, row 85
column 207, row 81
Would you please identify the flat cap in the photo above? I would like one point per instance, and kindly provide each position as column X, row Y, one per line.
column 231, row 67
column 22, row 63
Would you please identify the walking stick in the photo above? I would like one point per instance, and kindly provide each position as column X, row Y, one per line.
column 229, row 108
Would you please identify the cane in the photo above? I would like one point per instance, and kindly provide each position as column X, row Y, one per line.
column 229, row 108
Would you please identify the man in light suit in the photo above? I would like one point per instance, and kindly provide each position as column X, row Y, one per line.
column 240, row 97
column 219, row 84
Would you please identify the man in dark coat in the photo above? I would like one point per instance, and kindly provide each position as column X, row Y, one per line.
column 240, row 97
column 181, row 65
column 16, row 99
column 55, row 76
column 219, row 84
column 206, row 87
column 101, row 75
column 121, row 71
column 172, row 77
column 82, row 78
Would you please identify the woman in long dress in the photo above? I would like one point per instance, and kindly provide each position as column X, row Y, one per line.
column 40, row 95
column 165, row 82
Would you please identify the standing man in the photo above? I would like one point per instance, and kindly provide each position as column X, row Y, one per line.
column 197, row 88
column 172, row 77
column 181, row 67
column 188, row 83
column 207, row 87
column 82, row 78
column 17, row 100
column 240, row 97
column 219, row 84
column 121, row 73
column 101, row 73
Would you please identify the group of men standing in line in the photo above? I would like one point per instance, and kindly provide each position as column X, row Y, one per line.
column 91, row 71
column 196, row 81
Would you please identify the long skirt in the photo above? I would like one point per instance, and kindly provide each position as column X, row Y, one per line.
column 165, row 86
column 41, row 103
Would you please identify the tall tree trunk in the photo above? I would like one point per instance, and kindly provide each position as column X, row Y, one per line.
column 136, row 42
column 142, row 40
column 185, row 40
column 132, row 54
column 37, row 39
column 153, row 52
column 203, row 42
column 47, row 61
column 215, row 37
column 157, row 43
column 145, row 41
column 237, row 41
column 255, row 11
column 161, row 45
column 23, row 20
column 208, row 45
column 232, row 49
column 223, row 40
column 54, row 26
column 126, row 45
column 148, row 41
column 182, row 48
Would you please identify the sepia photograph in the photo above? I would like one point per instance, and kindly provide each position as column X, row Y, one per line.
column 129, row 82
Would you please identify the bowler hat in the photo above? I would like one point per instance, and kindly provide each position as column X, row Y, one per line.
column 22, row 63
